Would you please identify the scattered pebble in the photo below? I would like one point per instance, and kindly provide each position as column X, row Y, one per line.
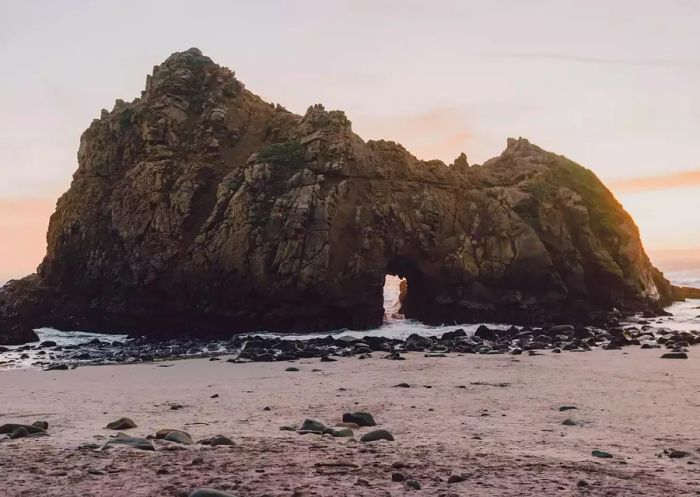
column 676, row 454
column 456, row 479
column 209, row 492
column 674, row 355
column 375, row 435
column 121, row 424
column 180, row 437
column 359, row 418
column 398, row 476
column 217, row 440
column 134, row 442
column 413, row 484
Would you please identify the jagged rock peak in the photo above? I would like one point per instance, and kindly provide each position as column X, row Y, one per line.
column 461, row 161
column 522, row 146
column 188, row 73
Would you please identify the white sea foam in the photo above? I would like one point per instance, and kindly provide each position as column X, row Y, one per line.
column 685, row 316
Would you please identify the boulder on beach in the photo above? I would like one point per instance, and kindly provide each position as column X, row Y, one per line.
column 11, row 427
column 121, row 424
column 209, row 492
column 177, row 436
column 373, row 436
column 20, row 432
column 129, row 441
column 339, row 432
column 311, row 425
column 359, row 418
column 217, row 440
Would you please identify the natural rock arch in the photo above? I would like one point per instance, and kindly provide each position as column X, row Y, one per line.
column 199, row 208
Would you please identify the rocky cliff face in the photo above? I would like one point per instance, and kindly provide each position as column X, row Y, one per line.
column 199, row 208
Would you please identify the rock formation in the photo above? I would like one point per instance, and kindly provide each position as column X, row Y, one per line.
column 201, row 209
column 685, row 292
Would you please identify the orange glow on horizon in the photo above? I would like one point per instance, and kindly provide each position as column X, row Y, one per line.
column 23, row 224
column 677, row 180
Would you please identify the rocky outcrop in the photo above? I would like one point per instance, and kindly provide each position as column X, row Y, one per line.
column 199, row 208
column 685, row 292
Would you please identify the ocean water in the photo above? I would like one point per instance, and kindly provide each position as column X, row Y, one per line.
column 684, row 278
column 685, row 316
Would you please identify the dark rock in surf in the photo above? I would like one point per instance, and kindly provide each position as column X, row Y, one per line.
column 417, row 343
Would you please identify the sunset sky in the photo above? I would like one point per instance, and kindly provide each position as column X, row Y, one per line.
column 613, row 85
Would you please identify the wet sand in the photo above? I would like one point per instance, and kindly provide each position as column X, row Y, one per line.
column 495, row 419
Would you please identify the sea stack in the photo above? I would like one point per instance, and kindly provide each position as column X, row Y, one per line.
column 201, row 209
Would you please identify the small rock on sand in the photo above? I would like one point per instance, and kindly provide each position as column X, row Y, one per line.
column 674, row 355
column 339, row 433
column 20, row 432
column 180, row 437
column 456, row 479
column 375, row 435
column 134, row 442
column 10, row 427
column 218, row 440
column 359, row 418
column 413, row 484
column 601, row 454
column 121, row 424
column 312, row 425
column 56, row 367
column 352, row 426
column 209, row 492
column 42, row 425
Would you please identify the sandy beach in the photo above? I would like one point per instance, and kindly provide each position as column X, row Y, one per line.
column 494, row 419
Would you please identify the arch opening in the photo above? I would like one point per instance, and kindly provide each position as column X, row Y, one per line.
column 394, row 295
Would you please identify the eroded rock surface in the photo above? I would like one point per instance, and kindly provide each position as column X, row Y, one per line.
column 201, row 209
